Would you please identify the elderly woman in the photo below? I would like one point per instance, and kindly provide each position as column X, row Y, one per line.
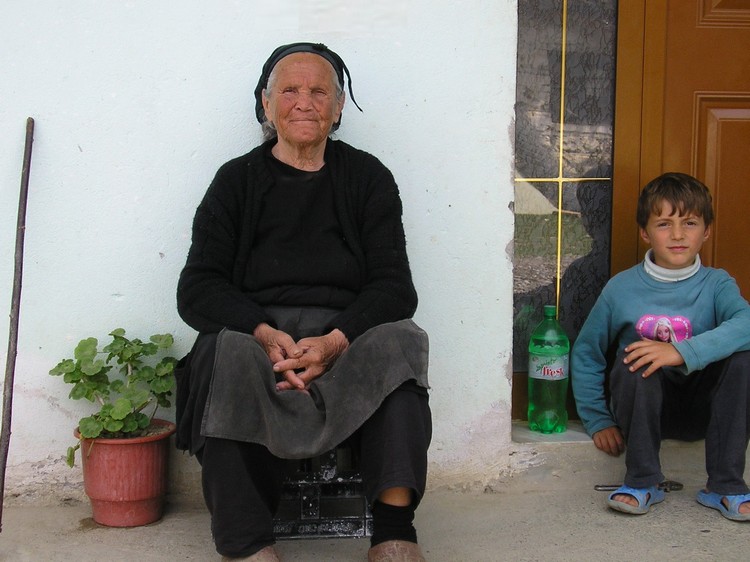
column 298, row 283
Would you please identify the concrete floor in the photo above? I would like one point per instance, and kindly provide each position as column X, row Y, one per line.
column 549, row 512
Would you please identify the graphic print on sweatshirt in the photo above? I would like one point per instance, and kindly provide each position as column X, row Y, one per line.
column 664, row 328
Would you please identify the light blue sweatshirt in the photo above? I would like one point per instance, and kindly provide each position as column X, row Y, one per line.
column 705, row 316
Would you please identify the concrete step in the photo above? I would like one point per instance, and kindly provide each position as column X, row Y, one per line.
column 570, row 459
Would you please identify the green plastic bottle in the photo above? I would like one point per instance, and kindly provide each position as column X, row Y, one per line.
column 549, row 353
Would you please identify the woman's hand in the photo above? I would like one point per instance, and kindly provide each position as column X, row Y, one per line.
column 318, row 354
column 279, row 346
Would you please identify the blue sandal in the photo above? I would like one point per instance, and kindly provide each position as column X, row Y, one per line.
column 713, row 500
column 646, row 497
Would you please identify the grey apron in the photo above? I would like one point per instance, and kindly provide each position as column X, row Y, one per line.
column 244, row 405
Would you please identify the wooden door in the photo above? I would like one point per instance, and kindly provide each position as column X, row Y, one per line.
column 683, row 104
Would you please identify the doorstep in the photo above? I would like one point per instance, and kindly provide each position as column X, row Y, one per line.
column 570, row 460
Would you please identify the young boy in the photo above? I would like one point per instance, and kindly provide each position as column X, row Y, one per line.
column 695, row 386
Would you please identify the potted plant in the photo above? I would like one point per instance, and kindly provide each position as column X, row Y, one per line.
column 124, row 449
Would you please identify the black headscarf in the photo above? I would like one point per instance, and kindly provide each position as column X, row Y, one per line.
column 283, row 51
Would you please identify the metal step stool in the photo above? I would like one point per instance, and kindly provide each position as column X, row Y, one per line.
column 323, row 497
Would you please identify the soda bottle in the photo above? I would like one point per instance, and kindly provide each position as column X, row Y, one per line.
column 549, row 350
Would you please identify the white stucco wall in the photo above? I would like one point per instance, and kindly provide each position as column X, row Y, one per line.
column 136, row 105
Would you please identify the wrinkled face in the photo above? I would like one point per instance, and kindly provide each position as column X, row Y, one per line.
column 675, row 239
column 301, row 99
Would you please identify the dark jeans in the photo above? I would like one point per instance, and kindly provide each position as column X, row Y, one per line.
column 713, row 404
column 242, row 481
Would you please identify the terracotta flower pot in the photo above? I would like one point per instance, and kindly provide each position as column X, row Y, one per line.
column 126, row 479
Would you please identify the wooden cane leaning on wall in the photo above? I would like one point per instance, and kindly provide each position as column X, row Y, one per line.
column 10, row 364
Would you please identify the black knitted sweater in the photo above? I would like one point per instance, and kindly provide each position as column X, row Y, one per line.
column 211, row 294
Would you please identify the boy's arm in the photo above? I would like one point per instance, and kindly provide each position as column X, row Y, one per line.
column 588, row 364
column 731, row 334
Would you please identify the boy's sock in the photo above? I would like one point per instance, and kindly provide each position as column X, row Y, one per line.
column 392, row 523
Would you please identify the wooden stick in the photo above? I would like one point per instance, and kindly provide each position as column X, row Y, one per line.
column 10, row 365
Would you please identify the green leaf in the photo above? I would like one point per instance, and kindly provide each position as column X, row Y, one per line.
column 130, row 424
column 149, row 348
column 143, row 420
column 121, row 408
column 90, row 427
column 164, row 341
column 160, row 385
column 114, row 347
column 91, row 368
column 144, row 374
column 86, row 349
column 70, row 458
column 117, row 332
column 63, row 367
column 165, row 366
column 113, row 426
column 79, row 391
column 73, row 377
column 92, row 388
column 137, row 395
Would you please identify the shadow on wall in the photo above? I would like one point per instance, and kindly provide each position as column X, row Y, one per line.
column 583, row 276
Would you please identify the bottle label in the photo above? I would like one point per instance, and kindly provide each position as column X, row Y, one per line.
column 548, row 368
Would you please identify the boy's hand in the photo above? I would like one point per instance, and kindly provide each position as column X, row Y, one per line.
column 659, row 354
column 610, row 441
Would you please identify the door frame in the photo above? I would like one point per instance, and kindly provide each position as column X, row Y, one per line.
column 639, row 115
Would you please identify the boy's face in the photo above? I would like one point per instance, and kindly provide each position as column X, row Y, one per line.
column 676, row 240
